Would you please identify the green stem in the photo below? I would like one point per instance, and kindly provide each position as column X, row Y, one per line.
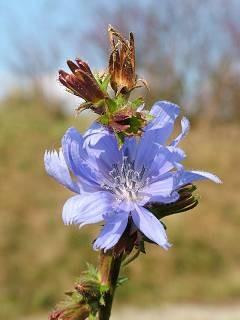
column 109, row 268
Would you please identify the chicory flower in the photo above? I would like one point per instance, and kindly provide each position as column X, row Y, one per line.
column 114, row 186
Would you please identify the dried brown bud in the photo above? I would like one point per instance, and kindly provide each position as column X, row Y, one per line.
column 82, row 83
column 122, row 62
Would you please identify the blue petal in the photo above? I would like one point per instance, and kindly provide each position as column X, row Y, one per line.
column 173, row 197
column 156, row 132
column 102, row 144
column 165, row 111
column 56, row 167
column 146, row 152
column 80, row 163
column 95, row 133
column 163, row 187
column 150, row 226
column 185, row 124
column 190, row 176
column 129, row 148
column 112, row 231
column 166, row 159
column 72, row 149
column 160, row 127
column 87, row 208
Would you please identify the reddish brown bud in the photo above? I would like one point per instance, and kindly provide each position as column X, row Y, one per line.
column 83, row 66
column 72, row 66
column 81, row 82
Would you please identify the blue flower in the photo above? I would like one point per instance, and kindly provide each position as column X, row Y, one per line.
column 115, row 185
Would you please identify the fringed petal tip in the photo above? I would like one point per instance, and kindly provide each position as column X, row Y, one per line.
column 56, row 167
column 86, row 208
column 98, row 246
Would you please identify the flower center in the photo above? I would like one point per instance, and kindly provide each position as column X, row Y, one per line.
column 125, row 182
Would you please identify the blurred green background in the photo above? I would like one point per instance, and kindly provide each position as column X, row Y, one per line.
column 188, row 51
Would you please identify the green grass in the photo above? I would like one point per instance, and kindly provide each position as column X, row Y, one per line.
column 41, row 258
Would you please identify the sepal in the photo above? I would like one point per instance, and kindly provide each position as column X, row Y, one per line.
column 187, row 201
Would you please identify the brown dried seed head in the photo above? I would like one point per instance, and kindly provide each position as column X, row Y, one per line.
column 122, row 62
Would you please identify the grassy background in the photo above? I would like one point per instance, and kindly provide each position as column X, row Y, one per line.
column 40, row 257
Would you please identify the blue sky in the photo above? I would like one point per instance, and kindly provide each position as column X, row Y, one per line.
column 23, row 20
column 29, row 17
column 19, row 19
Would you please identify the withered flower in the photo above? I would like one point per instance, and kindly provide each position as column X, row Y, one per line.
column 81, row 82
column 122, row 62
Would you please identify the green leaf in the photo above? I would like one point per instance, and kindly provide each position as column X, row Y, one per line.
column 112, row 105
column 102, row 81
column 76, row 297
column 121, row 101
column 135, row 124
column 137, row 102
column 91, row 274
column 105, row 82
column 92, row 317
column 104, row 119
column 104, row 288
column 122, row 280
column 149, row 117
column 120, row 139
column 101, row 301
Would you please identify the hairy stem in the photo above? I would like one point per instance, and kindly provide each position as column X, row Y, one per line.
column 109, row 268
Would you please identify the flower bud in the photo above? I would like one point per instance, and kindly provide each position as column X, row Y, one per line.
column 72, row 312
column 88, row 289
column 81, row 82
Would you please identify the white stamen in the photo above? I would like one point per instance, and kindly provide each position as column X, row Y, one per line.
column 124, row 181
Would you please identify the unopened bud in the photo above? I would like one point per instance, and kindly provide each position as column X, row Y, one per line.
column 81, row 82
